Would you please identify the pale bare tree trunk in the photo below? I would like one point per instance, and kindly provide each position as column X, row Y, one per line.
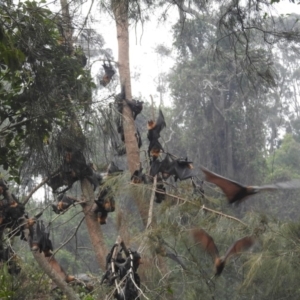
column 67, row 24
column 94, row 230
column 120, row 10
column 58, row 280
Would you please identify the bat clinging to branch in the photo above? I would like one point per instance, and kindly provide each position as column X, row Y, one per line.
column 154, row 129
column 208, row 244
column 236, row 192
column 181, row 168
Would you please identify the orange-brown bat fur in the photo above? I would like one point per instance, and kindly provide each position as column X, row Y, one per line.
column 151, row 125
column 155, row 152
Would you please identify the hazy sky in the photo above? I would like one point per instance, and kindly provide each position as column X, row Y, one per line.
column 144, row 62
column 143, row 42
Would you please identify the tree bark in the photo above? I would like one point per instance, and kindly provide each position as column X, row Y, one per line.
column 67, row 24
column 95, row 232
column 120, row 10
column 56, row 277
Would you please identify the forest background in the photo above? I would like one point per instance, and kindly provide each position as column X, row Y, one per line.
column 231, row 104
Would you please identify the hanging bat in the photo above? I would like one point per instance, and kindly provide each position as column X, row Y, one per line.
column 109, row 73
column 206, row 241
column 39, row 238
column 154, row 129
column 160, row 192
column 64, row 202
column 181, row 168
column 138, row 176
column 236, row 192
column 136, row 107
column 105, row 204
column 154, row 149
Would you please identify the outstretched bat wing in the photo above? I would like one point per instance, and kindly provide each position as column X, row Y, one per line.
column 292, row 184
column 239, row 246
column 206, row 241
column 233, row 190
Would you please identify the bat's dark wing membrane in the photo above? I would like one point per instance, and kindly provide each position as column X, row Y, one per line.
column 154, row 132
column 206, row 241
column 160, row 122
column 154, row 168
column 184, row 169
column 233, row 190
column 239, row 246
column 167, row 167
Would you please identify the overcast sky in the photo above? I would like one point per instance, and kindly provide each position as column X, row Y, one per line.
column 143, row 42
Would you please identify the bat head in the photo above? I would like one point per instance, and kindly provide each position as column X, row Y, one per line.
column 138, row 176
column 155, row 152
column 151, row 124
column 109, row 204
column 101, row 217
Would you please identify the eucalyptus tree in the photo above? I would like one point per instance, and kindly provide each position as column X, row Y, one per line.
column 224, row 75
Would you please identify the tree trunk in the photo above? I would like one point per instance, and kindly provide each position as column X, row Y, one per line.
column 67, row 25
column 120, row 10
column 56, row 277
column 95, row 232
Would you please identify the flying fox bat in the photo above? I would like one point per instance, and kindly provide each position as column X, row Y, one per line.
column 40, row 238
column 138, row 176
column 208, row 244
column 154, row 129
column 181, row 168
column 109, row 73
column 64, row 202
column 160, row 193
column 236, row 192
column 154, row 149
column 136, row 107
column 105, row 204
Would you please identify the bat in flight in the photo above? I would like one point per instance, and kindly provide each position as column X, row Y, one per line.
column 236, row 192
column 181, row 168
column 206, row 241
